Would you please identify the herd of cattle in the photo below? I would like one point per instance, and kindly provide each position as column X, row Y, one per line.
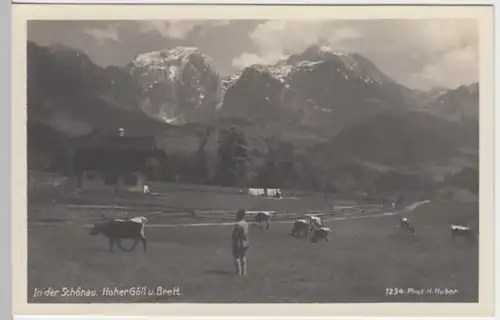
column 313, row 224
column 456, row 230
column 133, row 228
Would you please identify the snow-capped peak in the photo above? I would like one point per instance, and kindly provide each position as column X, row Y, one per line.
column 326, row 49
column 162, row 56
column 177, row 81
column 355, row 66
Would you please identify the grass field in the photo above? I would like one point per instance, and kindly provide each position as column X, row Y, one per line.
column 365, row 256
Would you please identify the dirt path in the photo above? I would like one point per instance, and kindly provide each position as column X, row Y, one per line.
column 348, row 216
column 341, row 217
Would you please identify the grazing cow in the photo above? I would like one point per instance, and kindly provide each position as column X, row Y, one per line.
column 457, row 231
column 263, row 217
column 321, row 233
column 300, row 225
column 314, row 223
column 405, row 224
column 117, row 229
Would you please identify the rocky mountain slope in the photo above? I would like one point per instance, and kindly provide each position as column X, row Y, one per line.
column 74, row 96
column 403, row 138
column 178, row 85
column 457, row 104
column 330, row 111
column 317, row 87
column 70, row 96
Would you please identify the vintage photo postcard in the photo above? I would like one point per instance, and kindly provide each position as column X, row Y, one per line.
column 253, row 160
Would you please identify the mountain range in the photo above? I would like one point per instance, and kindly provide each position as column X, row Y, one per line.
column 332, row 108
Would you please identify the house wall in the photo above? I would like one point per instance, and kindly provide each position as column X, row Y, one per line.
column 137, row 187
column 91, row 180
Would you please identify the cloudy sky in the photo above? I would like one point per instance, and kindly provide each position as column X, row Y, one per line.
column 420, row 54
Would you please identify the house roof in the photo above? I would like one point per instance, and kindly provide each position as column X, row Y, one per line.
column 114, row 160
column 117, row 143
column 115, row 153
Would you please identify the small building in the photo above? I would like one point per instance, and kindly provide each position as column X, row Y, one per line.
column 269, row 192
column 115, row 162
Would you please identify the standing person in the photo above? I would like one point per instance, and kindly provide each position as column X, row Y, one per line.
column 240, row 243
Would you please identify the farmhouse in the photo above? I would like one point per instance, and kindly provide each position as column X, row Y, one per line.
column 115, row 162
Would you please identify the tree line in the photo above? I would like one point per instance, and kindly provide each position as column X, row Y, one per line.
column 279, row 166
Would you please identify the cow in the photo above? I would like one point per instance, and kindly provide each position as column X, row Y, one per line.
column 461, row 231
column 263, row 217
column 300, row 225
column 314, row 223
column 321, row 233
column 405, row 224
column 117, row 229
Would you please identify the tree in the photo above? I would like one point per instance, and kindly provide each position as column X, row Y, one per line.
column 233, row 157
column 287, row 174
column 201, row 161
column 269, row 176
column 153, row 168
column 467, row 178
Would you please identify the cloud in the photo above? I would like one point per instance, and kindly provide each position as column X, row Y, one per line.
column 179, row 29
column 441, row 35
column 450, row 51
column 460, row 63
column 212, row 25
column 345, row 34
column 103, row 35
column 248, row 59
column 277, row 39
column 418, row 53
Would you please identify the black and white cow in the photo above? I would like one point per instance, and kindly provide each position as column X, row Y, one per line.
column 405, row 224
column 320, row 234
column 300, row 225
column 117, row 229
column 315, row 223
column 461, row 231
column 263, row 217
